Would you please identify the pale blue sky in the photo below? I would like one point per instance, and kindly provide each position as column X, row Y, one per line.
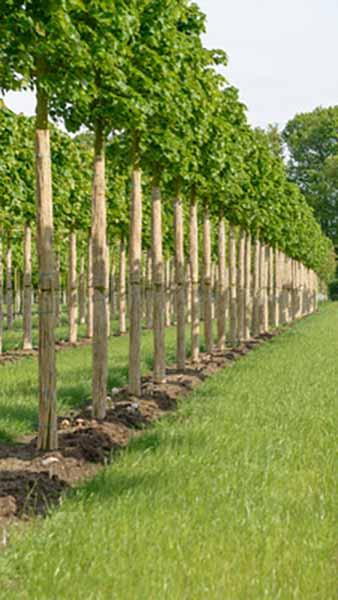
column 282, row 55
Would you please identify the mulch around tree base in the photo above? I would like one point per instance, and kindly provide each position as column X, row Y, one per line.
column 31, row 481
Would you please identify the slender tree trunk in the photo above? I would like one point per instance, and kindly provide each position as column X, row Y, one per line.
column 188, row 290
column 195, row 321
column 17, row 293
column 90, row 290
column 221, row 308
column 241, row 286
column 27, row 282
column 82, row 292
column 107, row 290
column 207, row 282
column 264, row 311
column 122, row 289
column 233, row 329
column 158, row 283
column 9, row 286
column 213, row 289
column 247, row 288
column 1, row 296
column 180, row 283
column 112, row 288
column 72, row 288
column 100, row 325
column 135, row 255
column 47, row 438
column 271, row 287
column 149, row 291
column 57, row 291
column 168, row 292
column 256, row 291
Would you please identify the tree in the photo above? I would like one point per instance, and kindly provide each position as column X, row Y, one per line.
column 312, row 140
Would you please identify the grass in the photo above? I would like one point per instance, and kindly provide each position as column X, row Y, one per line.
column 12, row 339
column 19, row 381
column 231, row 499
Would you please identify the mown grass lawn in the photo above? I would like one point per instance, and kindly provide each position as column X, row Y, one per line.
column 233, row 498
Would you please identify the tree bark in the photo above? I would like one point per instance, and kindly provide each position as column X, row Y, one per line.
column 168, row 292
column 207, row 282
column 195, row 320
column 241, row 286
column 188, row 290
column 221, row 304
column 264, row 306
column 72, row 288
column 100, row 325
column 9, row 286
column 233, row 329
column 17, row 293
column 57, row 290
column 158, row 284
column 47, row 437
column 107, row 290
column 112, row 288
column 256, row 290
column 135, row 255
column 180, row 283
column 90, row 290
column 247, row 288
column 27, row 283
column 82, row 292
column 122, row 289
column 149, row 290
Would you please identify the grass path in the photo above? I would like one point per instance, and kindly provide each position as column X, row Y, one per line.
column 231, row 499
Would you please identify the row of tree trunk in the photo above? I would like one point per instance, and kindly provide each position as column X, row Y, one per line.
column 250, row 289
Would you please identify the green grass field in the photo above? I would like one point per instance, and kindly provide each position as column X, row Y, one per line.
column 232, row 498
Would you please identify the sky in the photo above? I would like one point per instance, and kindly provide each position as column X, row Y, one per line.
column 282, row 55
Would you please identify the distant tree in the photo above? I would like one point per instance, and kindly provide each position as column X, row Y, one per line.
column 312, row 140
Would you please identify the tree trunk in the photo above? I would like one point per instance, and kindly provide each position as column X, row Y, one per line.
column 100, row 325
column 112, row 288
column 180, row 283
column 207, row 283
column 17, row 293
column 256, row 291
column 213, row 289
column 47, row 438
column 271, row 287
column 247, row 288
column 27, row 283
column 188, row 290
column 9, row 286
column 90, row 291
column 276, row 312
column 241, row 286
column 233, row 329
column 195, row 320
column 221, row 303
column 82, row 292
column 149, row 291
column 72, row 288
column 264, row 308
column 168, row 292
column 122, row 289
column 107, row 290
column 135, row 256
column 158, row 283
column 57, row 290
